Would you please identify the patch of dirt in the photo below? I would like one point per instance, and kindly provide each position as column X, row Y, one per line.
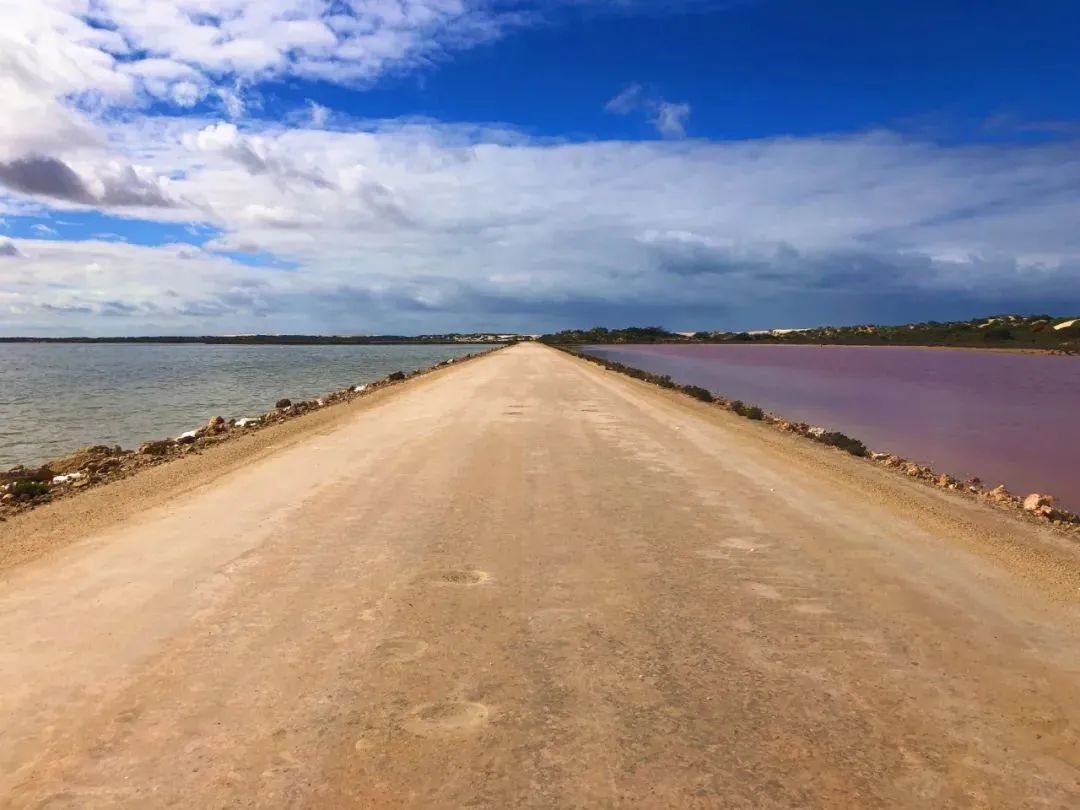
column 448, row 717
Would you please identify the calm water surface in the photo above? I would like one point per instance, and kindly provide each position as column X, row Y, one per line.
column 56, row 397
column 1006, row 418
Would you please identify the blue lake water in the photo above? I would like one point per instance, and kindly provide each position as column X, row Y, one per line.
column 57, row 397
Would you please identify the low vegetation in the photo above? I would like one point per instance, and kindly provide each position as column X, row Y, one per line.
column 749, row 411
column 1053, row 333
column 835, row 439
column 697, row 392
column 26, row 489
column 598, row 334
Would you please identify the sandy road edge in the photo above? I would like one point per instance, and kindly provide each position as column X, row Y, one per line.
column 34, row 534
column 1041, row 555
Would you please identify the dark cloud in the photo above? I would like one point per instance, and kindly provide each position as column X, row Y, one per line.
column 45, row 176
column 683, row 258
column 727, row 289
column 127, row 188
column 252, row 283
column 68, row 309
column 8, row 249
column 242, row 152
column 117, row 309
column 108, row 309
column 283, row 220
column 781, row 272
column 383, row 204
column 313, row 177
column 205, row 309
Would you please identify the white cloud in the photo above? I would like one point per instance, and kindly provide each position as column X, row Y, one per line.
column 319, row 114
column 430, row 225
column 89, row 281
column 629, row 99
column 168, row 80
column 64, row 61
column 232, row 100
column 668, row 117
column 186, row 94
column 671, row 118
column 225, row 139
column 166, row 70
column 109, row 45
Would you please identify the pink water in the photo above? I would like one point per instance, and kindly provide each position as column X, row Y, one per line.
column 1005, row 418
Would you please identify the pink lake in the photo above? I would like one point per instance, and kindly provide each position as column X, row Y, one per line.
column 1003, row 417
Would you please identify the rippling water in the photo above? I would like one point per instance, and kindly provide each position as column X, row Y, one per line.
column 1006, row 418
column 56, row 397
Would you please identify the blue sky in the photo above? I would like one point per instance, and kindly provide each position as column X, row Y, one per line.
column 211, row 166
column 756, row 69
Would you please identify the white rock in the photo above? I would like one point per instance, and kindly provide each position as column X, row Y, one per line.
column 1066, row 324
column 191, row 434
column 248, row 420
column 1034, row 501
column 359, row 389
column 63, row 479
column 816, row 431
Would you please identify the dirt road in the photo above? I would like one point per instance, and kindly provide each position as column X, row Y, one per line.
column 530, row 582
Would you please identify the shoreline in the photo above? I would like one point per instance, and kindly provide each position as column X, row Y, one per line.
column 977, row 349
column 1036, row 506
column 1033, row 350
column 450, row 339
column 24, row 489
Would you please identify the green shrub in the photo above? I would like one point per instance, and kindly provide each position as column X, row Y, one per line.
column 26, row 489
column 835, row 439
column 749, row 411
column 697, row 392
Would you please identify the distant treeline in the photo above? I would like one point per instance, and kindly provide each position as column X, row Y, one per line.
column 276, row 340
column 632, row 334
column 1000, row 331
